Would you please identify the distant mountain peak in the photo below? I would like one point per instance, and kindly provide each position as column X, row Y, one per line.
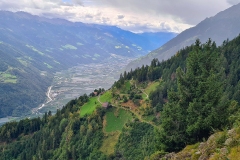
column 222, row 26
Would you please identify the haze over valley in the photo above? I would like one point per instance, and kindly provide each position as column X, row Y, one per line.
column 39, row 47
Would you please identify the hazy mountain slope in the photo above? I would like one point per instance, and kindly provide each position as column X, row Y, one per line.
column 56, row 36
column 61, row 43
column 224, row 25
column 22, row 85
column 148, row 41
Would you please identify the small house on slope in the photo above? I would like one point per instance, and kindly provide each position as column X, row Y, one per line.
column 105, row 105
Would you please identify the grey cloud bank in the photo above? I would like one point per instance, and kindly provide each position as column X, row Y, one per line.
column 133, row 15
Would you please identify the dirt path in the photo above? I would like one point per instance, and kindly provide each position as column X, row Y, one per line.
column 136, row 114
column 144, row 93
column 139, row 117
column 140, row 89
column 99, row 99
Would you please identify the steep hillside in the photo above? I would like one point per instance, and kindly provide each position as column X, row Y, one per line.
column 220, row 145
column 22, row 82
column 33, row 48
column 183, row 108
column 225, row 25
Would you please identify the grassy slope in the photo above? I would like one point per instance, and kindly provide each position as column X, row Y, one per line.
column 109, row 142
column 116, row 119
column 89, row 107
column 125, row 88
column 152, row 87
column 106, row 97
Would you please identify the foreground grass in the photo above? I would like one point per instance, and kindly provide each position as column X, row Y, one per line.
column 89, row 107
column 234, row 153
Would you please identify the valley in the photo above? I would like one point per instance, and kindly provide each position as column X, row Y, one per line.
column 49, row 46
column 70, row 84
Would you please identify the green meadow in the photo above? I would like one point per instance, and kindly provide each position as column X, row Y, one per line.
column 89, row 107
column 116, row 119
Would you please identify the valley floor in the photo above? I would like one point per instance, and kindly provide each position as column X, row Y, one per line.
column 76, row 81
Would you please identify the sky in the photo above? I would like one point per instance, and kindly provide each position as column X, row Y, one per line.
column 133, row 15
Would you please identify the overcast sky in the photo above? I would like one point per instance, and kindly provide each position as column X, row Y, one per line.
column 133, row 15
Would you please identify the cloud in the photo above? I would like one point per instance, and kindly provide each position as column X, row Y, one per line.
column 78, row 2
column 186, row 11
column 233, row 2
column 88, row 16
column 133, row 15
column 121, row 16
column 30, row 4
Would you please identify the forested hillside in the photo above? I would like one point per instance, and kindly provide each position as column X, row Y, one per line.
column 148, row 113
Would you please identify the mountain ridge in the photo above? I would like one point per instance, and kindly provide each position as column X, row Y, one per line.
column 226, row 22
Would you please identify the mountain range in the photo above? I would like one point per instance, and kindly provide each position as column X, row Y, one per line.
column 224, row 25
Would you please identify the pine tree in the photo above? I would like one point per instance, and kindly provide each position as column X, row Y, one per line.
column 198, row 106
column 205, row 76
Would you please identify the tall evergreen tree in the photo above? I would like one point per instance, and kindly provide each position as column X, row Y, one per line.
column 197, row 107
